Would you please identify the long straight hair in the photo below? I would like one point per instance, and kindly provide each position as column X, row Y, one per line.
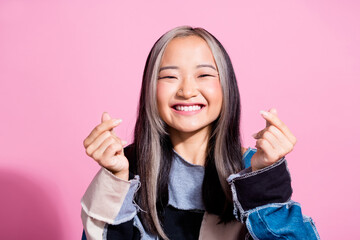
column 153, row 147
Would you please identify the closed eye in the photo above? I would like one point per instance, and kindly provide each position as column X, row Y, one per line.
column 206, row 75
column 167, row 77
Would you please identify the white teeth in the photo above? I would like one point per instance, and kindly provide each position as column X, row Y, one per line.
column 188, row 108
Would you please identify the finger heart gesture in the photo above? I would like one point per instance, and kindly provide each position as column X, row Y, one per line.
column 273, row 142
column 106, row 148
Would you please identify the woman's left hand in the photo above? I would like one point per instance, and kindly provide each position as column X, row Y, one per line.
column 273, row 142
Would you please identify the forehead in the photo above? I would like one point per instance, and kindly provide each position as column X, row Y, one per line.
column 189, row 49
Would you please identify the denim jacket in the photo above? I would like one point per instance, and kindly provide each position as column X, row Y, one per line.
column 262, row 204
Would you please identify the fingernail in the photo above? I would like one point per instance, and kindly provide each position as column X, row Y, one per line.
column 254, row 135
column 264, row 113
column 117, row 121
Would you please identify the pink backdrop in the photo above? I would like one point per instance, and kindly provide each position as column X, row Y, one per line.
column 63, row 63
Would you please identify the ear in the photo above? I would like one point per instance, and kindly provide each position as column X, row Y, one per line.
column 105, row 116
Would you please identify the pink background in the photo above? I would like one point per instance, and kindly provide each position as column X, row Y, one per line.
column 63, row 63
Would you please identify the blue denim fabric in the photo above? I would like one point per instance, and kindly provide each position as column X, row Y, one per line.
column 275, row 220
column 280, row 221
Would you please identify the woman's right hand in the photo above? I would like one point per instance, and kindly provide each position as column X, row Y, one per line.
column 106, row 148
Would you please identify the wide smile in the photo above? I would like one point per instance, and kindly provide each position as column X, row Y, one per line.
column 188, row 109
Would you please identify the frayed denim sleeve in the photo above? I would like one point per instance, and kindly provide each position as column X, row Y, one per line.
column 262, row 202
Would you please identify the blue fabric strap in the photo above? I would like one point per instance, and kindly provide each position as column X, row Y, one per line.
column 247, row 156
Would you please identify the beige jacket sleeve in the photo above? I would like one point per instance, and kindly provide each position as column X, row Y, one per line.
column 107, row 200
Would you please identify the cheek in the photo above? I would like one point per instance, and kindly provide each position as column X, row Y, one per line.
column 214, row 91
column 162, row 97
column 159, row 93
column 162, row 90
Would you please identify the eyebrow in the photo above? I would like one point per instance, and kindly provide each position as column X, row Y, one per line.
column 198, row 66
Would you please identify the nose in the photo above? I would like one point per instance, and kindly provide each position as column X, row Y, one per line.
column 188, row 88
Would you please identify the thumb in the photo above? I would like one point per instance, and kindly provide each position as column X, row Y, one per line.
column 105, row 116
column 273, row 111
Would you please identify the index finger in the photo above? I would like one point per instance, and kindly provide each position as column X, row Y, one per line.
column 273, row 119
column 99, row 129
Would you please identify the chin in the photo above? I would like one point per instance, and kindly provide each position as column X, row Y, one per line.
column 193, row 129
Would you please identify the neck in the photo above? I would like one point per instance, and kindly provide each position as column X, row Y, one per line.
column 191, row 146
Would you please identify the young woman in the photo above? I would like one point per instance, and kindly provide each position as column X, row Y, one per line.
column 187, row 176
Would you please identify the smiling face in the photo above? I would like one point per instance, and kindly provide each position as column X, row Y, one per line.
column 189, row 94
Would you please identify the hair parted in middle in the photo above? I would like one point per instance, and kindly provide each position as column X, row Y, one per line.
column 153, row 148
